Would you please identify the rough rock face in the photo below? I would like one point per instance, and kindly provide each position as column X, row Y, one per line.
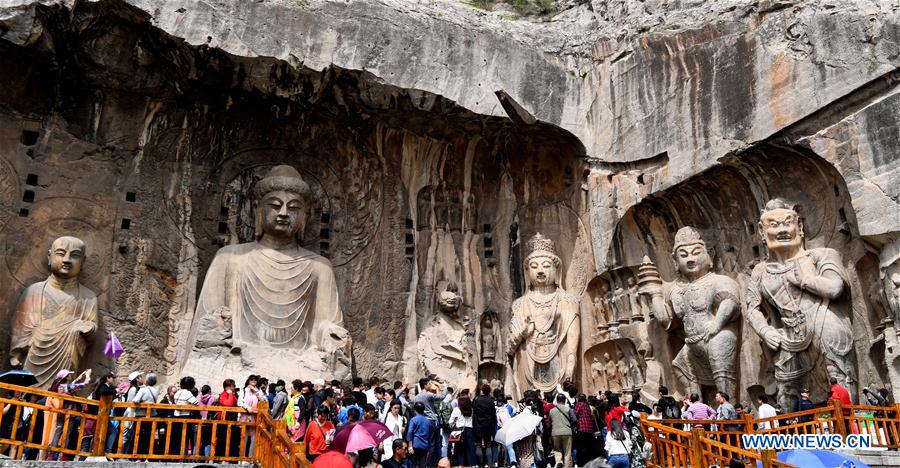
column 139, row 126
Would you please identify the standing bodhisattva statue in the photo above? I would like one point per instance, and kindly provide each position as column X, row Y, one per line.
column 544, row 332
column 796, row 303
column 282, row 299
column 55, row 317
column 708, row 304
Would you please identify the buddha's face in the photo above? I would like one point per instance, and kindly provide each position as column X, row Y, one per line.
column 283, row 213
column 542, row 271
column 449, row 301
column 781, row 229
column 692, row 260
column 66, row 257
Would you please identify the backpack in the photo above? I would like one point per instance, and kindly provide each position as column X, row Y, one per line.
column 443, row 411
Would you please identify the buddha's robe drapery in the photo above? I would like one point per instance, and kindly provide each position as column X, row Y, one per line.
column 46, row 325
column 276, row 299
column 540, row 358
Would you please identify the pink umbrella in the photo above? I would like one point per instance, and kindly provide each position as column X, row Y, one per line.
column 113, row 347
column 360, row 436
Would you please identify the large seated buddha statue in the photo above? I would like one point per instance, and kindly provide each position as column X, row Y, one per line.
column 270, row 305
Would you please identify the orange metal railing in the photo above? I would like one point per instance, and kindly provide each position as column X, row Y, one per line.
column 40, row 425
column 716, row 442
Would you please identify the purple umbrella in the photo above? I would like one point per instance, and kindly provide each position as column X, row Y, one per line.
column 359, row 436
column 113, row 347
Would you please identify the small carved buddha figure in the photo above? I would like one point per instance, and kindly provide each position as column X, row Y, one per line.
column 612, row 373
column 598, row 372
column 55, row 317
column 488, row 338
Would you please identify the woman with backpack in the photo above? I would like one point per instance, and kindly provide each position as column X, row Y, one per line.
column 633, row 425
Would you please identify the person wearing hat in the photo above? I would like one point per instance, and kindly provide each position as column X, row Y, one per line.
column 136, row 379
column 54, row 430
column 804, row 404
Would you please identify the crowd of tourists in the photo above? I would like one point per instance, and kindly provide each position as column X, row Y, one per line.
column 432, row 425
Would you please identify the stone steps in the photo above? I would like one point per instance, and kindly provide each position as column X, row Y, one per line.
column 876, row 458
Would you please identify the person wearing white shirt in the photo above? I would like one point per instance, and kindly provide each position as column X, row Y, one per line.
column 618, row 445
column 396, row 422
column 570, row 400
column 183, row 396
column 461, row 426
column 766, row 411
column 370, row 393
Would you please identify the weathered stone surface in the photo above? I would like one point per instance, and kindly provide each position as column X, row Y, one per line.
column 647, row 116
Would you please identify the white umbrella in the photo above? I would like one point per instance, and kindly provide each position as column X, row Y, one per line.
column 518, row 428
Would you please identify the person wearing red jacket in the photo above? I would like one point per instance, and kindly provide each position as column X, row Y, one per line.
column 616, row 410
column 839, row 393
column 227, row 398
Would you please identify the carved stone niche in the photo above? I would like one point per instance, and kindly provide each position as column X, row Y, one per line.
column 614, row 305
column 601, row 312
column 724, row 204
column 492, row 373
column 614, row 365
column 488, row 333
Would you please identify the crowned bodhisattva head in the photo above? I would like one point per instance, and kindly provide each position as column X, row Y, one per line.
column 542, row 263
column 690, row 254
column 283, row 204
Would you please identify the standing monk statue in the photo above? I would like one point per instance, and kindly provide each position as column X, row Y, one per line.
column 796, row 303
column 282, row 299
column 708, row 304
column 55, row 317
column 544, row 332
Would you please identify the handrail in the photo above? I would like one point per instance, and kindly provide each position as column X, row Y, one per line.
column 274, row 448
column 47, row 393
column 714, row 453
column 60, row 425
column 701, row 447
